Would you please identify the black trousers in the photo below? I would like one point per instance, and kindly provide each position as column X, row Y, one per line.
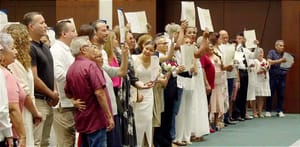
column 2, row 143
column 239, row 106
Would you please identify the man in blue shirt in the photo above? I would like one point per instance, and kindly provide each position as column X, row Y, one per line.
column 277, row 78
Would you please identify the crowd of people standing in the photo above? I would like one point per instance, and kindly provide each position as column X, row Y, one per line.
column 140, row 92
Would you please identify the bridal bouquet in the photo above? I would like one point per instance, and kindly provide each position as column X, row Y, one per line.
column 264, row 66
column 169, row 66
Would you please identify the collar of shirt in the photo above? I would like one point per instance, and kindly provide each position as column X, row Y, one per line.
column 63, row 45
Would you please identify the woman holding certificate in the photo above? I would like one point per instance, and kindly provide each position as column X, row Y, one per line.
column 192, row 117
column 147, row 69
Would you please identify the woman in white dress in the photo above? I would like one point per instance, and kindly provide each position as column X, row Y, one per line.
column 184, row 116
column 199, row 107
column 251, row 96
column 21, row 69
column 146, row 67
column 263, row 85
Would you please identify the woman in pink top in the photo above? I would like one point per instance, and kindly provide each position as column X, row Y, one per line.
column 112, row 49
column 16, row 94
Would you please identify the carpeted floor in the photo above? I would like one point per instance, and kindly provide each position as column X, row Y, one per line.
column 272, row 131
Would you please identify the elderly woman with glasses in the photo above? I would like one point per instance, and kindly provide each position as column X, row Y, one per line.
column 5, row 127
column 16, row 94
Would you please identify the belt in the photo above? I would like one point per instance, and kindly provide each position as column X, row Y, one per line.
column 64, row 109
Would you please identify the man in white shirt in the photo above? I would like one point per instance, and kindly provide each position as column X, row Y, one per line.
column 64, row 122
column 245, row 55
column 5, row 125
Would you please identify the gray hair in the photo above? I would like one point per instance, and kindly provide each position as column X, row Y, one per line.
column 172, row 28
column 77, row 43
column 6, row 41
column 260, row 49
column 278, row 41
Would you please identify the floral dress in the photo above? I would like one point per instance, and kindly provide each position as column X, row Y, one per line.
column 126, row 105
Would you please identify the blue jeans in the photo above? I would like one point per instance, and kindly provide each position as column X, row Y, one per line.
column 95, row 139
column 277, row 84
column 175, row 112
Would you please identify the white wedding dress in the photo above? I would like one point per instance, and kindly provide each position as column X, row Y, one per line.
column 143, row 111
column 199, row 107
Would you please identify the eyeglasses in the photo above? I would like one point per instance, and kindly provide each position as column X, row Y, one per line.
column 90, row 46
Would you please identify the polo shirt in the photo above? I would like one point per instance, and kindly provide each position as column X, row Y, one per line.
column 41, row 58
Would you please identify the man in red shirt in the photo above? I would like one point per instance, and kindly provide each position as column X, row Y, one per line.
column 85, row 80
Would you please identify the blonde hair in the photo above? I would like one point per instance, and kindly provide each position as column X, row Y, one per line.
column 116, row 29
column 109, row 45
column 21, row 43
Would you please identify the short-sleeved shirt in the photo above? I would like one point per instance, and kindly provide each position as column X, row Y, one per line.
column 209, row 69
column 15, row 92
column 41, row 58
column 275, row 68
column 83, row 78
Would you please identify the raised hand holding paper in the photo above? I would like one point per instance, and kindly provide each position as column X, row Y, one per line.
column 188, row 13
column 121, row 25
column 138, row 21
column 205, row 19
column 250, row 39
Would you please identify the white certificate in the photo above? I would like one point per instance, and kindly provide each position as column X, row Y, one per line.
column 188, row 13
column 138, row 21
column 228, row 54
column 250, row 38
column 187, row 55
column 69, row 19
column 121, row 25
column 3, row 19
column 289, row 61
column 205, row 19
